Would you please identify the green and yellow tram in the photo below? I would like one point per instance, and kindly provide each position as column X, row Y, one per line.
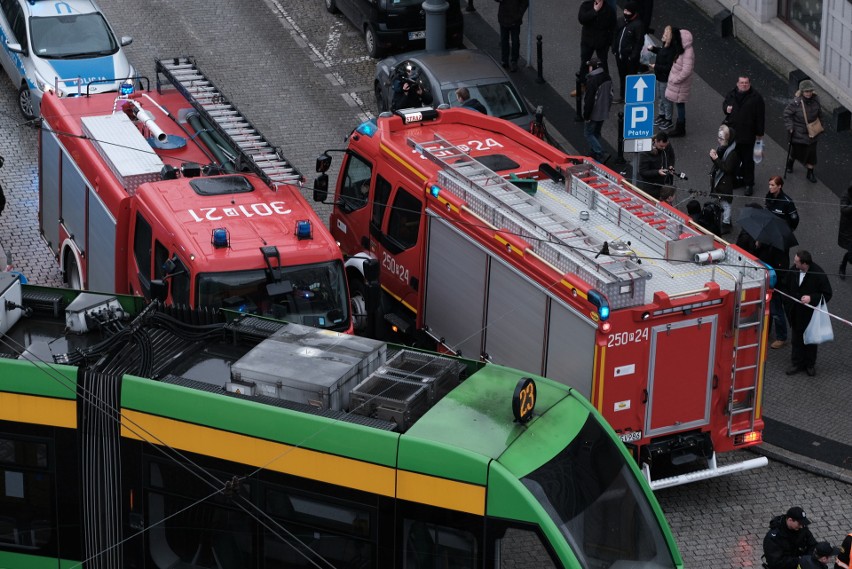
column 130, row 438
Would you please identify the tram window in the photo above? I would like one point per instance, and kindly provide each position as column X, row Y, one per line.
column 433, row 546
column 26, row 494
column 319, row 511
column 518, row 547
column 188, row 529
column 592, row 495
column 319, row 530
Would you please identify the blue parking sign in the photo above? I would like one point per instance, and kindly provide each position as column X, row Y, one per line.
column 638, row 121
column 639, row 92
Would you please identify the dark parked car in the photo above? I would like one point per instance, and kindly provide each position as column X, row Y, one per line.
column 441, row 73
column 396, row 25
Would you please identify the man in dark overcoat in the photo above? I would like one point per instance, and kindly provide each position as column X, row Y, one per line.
column 745, row 110
column 598, row 25
column 807, row 284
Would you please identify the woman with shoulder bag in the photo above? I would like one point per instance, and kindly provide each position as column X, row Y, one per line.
column 802, row 119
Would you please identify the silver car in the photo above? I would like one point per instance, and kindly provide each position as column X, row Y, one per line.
column 64, row 46
column 441, row 73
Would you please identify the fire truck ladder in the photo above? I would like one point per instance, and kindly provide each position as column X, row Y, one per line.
column 253, row 150
column 742, row 400
column 521, row 213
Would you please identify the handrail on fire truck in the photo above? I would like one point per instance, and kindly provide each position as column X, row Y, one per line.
column 255, row 152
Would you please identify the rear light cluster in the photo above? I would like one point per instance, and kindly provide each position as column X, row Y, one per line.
column 749, row 438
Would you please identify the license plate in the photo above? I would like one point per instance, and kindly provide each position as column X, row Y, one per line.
column 631, row 436
column 417, row 35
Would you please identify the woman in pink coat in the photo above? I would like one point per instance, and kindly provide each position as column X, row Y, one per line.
column 680, row 78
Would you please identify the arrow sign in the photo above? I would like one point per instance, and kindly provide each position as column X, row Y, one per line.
column 639, row 89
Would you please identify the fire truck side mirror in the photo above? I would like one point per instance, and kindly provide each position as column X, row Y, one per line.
column 321, row 188
column 159, row 290
column 371, row 270
column 323, row 163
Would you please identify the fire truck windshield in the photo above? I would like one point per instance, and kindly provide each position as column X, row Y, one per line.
column 594, row 499
column 314, row 295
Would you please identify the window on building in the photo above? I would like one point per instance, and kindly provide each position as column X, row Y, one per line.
column 804, row 16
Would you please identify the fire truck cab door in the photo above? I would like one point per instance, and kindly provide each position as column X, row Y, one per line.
column 396, row 224
column 680, row 375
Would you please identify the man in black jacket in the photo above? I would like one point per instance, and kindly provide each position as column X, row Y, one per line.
column 788, row 539
column 807, row 284
column 745, row 111
column 598, row 22
column 656, row 167
column 627, row 44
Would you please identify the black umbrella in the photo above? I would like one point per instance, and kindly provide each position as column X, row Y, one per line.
column 767, row 228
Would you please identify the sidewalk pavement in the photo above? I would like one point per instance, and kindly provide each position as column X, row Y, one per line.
column 807, row 420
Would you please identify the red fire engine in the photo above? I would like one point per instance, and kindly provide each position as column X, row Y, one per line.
column 174, row 193
column 495, row 245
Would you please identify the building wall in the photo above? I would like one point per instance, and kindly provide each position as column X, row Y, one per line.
column 830, row 66
column 836, row 43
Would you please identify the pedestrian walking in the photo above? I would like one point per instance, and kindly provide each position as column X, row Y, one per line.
column 680, row 78
column 842, row 560
column 788, row 539
column 808, row 285
column 627, row 45
column 844, row 231
column 725, row 163
column 820, row 557
column 656, row 167
column 803, row 111
column 597, row 19
column 745, row 110
column 468, row 102
column 661, row 67
column 510, row 16
column 596, row 104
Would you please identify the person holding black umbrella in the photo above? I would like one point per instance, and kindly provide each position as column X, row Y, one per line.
column 768, row 237
column 780, row 203
column 806, row 284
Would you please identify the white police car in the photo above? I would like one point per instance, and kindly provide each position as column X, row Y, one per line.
column 65, row 46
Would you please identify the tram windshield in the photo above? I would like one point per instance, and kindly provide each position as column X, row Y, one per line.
column 592, row 495
column 313, row 295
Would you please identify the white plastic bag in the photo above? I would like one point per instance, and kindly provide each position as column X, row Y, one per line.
column 646, row 56
column 758, row 151
column 819, row 329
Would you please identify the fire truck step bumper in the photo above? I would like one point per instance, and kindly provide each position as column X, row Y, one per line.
column 712, row 471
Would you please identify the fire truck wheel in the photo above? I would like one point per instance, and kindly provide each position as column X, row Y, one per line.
column 25, row 102
column 358, row 303
column 72, row 272
column 381, row 104
column 331, row 6
column 371, row 42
